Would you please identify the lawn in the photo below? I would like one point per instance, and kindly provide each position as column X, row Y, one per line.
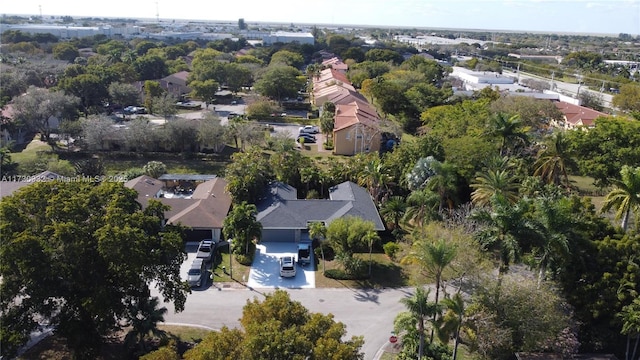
column 31, row 151
column 220, row 275
column 54, row 347
column 384, row 274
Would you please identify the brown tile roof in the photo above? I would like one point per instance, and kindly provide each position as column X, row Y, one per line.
column 354, row 113
column 578, row 115
column 206, row 209
column 331, row 74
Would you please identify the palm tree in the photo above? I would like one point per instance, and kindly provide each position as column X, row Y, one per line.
column 494, row 182
column 143, row 316
column 393, row 210
column 555, row 219
column 433, row 258
column 241, row 225
column 626, row 195
column 444, row 183
column 452, row 321
column 630, row 316
column 317, row 231
column 504, row 229
column 422, row 206
column 421, row 309
column 554, row 159
column 374, row 177
column 509, row 129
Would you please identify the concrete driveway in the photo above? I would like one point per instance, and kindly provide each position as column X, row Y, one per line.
column 265, row 270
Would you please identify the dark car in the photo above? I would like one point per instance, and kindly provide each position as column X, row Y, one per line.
column 308, row 138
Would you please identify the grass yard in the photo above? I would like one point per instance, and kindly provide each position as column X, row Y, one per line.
column 240, row 272
column 174, row 166
column 31, row 151
column 384, row 274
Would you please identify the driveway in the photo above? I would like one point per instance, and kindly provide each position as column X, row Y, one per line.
column 265, row 270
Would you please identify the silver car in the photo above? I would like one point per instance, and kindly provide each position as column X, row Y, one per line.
column 195, row 276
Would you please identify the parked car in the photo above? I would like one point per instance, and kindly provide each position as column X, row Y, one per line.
column 308, row 138
column 287, row 266
column 134, row 110
column 196, row 273
column 309, row 129
column 205, row 250
column 304, row 254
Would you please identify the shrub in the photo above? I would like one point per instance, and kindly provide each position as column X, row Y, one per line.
column 339, row 274
column 245, row 260
column 391, row 249
column 353, row 266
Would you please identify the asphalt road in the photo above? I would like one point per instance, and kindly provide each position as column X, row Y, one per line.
column 367, row 313
column 567, row 88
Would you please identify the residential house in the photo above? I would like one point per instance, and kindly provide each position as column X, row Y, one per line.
column 176, row 84
column 336, row 64
column 332, row 92
column 356, row 129
column 10, row 184
column 199, row 202
column 576, row 117
column 12, row 132
column 285, row 218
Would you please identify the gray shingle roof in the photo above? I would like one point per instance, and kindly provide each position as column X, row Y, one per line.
column 281, row 209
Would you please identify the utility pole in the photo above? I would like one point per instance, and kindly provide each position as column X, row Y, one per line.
column 553, row 74
column 518, row 71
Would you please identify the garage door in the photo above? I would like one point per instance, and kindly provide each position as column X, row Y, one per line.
column 278, row 235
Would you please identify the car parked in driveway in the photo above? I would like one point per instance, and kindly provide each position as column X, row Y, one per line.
column 205, row 250
column 287, row 266
column 195, row 276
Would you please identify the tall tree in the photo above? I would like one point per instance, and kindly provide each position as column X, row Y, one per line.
column 452, row 321
column 241, row 226
column 392, row 211
column 494, row 182
column 75, row 255
column 625, row 197
column 630, row 316
column 279, row 82
column 433, row 258
column 248, row 175
column 506, row 229
column 510, row 131
column 36, row 108
column 420, row 309
column 422, row 206
column 554, row 159
column 318, row 231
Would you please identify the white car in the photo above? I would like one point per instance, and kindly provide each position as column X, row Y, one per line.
column 309, row 129
column 287, row 266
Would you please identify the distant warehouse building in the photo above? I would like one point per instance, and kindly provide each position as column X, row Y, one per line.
column 288, row 37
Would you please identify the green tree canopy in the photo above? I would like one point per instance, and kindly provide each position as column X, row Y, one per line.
column 76, row 255
column 279, row 82
column 286, row 57
column 279, row 328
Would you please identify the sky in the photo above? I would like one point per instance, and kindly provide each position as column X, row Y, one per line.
column 554, row 16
